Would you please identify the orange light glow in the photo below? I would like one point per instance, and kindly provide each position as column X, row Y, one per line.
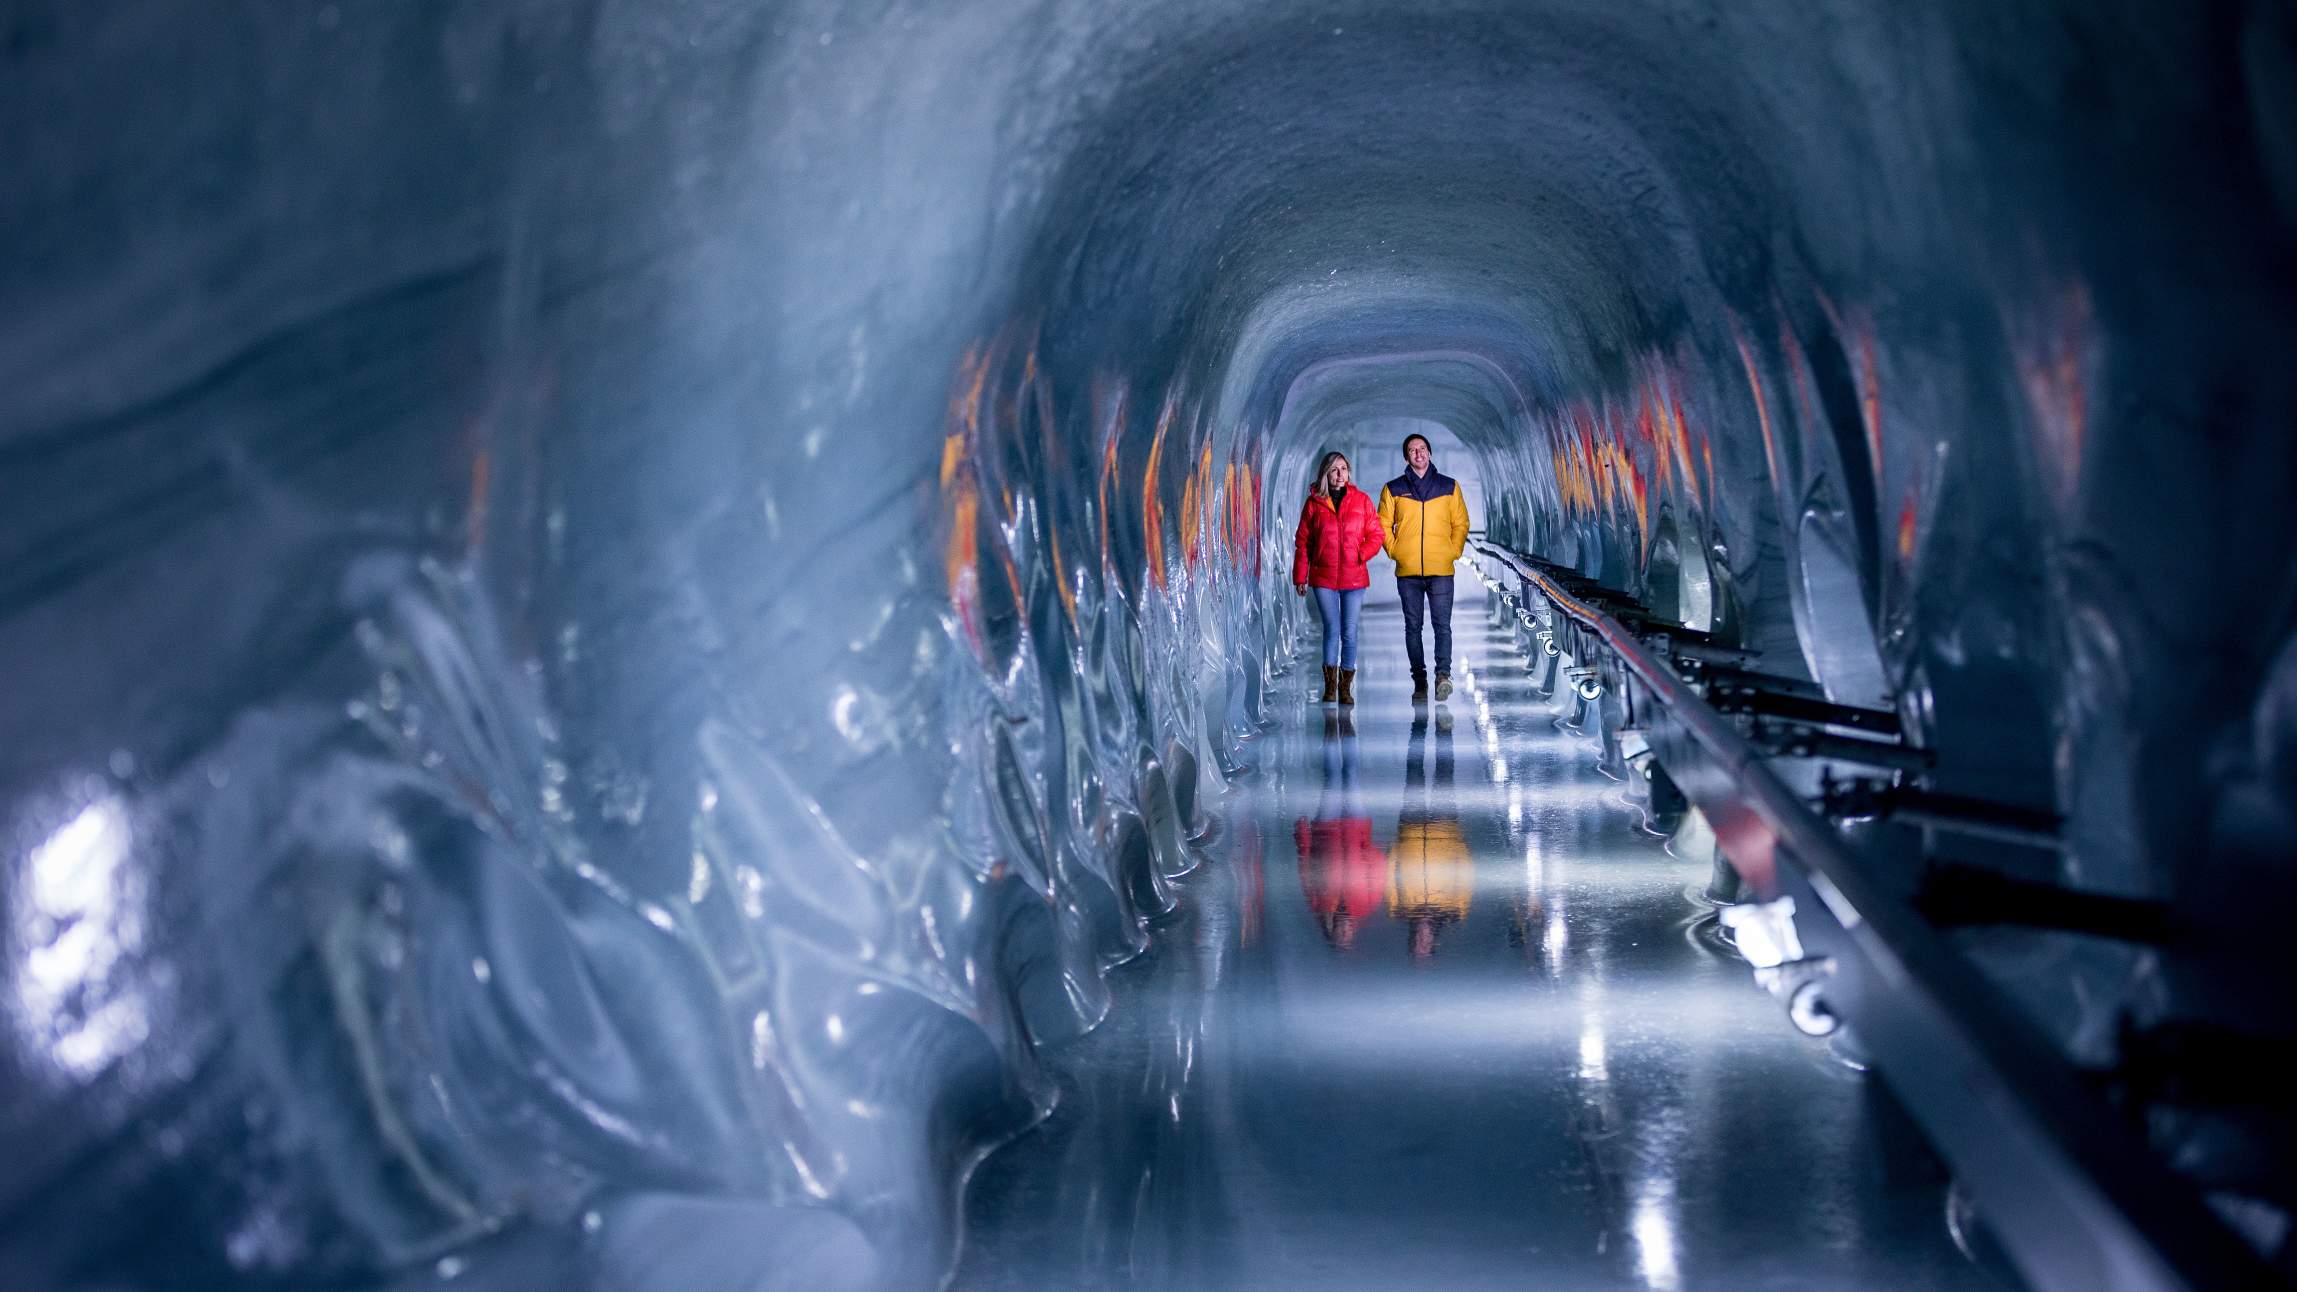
column 1762, row 417
column 2052, row 356
column 962, row 560
column 1856, row 333
column 1870, row 396
column 1112, row 435
column 1152, row 509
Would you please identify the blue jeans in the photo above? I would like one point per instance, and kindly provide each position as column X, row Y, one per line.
column 1427, row 597
column 1341, row 612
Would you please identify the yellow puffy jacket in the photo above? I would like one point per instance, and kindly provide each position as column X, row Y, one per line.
column 1430, row 871
column 1427, row 522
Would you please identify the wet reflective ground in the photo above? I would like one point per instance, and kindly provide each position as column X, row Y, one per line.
column 1439, row 1013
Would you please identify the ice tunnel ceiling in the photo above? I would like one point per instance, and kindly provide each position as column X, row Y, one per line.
column 613, row 610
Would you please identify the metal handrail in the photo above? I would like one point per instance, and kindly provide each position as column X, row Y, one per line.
column 2077, row 1198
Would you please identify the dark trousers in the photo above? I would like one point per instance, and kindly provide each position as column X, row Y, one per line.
column 1428, row 596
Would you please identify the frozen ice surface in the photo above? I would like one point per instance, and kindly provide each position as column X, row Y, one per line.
column 610, row 610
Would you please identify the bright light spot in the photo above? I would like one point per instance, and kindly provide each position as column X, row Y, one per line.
column 1654, row 1229
column 109, row 1031
column 698, row 884
column 481, row 970
column 761, row 1039
column 72, row 872
column 807, row 1178
column 83, row 921
column 835, row 1026
column 1764, row 932
column 1593, row 1061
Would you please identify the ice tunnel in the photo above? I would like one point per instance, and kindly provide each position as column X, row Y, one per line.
column 626, row 622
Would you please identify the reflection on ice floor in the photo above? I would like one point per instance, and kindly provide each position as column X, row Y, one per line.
column 1441, row 1015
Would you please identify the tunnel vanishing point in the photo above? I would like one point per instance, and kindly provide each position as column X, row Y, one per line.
column 616, row 613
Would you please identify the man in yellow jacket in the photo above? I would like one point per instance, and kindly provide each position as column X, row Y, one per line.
column 1431, row 872
column 1426, row 516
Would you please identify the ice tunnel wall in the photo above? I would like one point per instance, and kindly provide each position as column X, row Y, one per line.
column 612, row 609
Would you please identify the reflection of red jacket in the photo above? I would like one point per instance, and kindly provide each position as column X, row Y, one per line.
column 1341, row 870
column 1334, row 546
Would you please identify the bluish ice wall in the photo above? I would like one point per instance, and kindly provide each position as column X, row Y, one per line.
column 611, row 609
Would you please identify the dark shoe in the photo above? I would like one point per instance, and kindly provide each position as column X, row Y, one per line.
column 1443, row 686
column 1419, row 687
column 1347, row 686
column 1331, row 684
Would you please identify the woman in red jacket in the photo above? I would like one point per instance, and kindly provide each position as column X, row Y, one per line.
column 1342, row 871
column 1332, row 552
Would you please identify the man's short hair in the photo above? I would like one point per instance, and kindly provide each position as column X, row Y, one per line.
column 1407, row 448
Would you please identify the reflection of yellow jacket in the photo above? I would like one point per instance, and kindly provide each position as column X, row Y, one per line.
column 1427, row 522
column 1429, row 869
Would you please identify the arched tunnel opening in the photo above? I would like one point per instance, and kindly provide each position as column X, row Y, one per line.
column 652, row 643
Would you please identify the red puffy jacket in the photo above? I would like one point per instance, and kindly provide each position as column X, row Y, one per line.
column 1335, row 546
column 1342, row 872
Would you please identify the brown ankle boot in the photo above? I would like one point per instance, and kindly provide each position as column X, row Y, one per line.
column 1443, row 686
column 1419, row 686
column 1347, row 686
column 1331, row 684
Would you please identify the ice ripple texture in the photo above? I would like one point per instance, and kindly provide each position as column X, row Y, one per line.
column 611, row 610
column 420, row 969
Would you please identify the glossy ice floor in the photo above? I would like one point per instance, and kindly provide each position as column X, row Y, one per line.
column 1440, row 1013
